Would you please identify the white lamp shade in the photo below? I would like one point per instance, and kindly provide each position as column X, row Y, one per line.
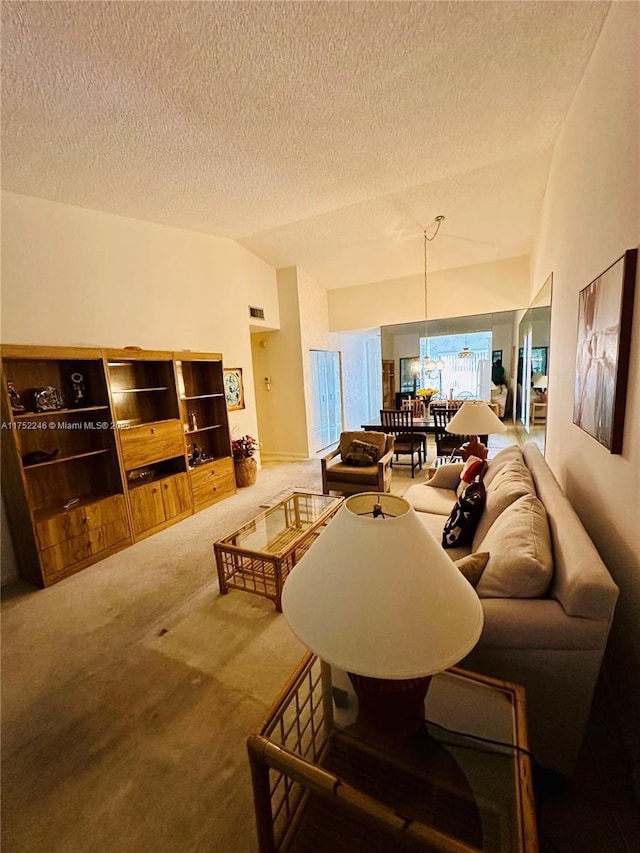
column 474, row 418
column 541, row 383
column 380, row 597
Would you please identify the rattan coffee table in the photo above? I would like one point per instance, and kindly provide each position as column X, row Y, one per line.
column 259, row 555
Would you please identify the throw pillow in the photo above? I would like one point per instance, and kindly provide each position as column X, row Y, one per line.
column 461, row 524
column 520, row 554
column 473, row 467
column 513, row 481
column 361, row 454
column 473, row 566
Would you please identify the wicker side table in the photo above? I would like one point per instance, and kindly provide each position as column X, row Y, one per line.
column 317, row 787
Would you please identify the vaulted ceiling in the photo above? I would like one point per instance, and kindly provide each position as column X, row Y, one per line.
column 326, row 135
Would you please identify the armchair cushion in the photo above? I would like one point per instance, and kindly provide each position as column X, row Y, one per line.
column 360, row 453
column 377, row 439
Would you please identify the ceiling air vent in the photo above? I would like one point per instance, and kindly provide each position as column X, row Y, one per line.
column 256, row 313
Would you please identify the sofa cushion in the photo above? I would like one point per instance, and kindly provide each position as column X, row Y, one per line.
column 512, row 481
column 378, row 439
column 429, row 499
column 435, row 525
column 361, row 453
column 472, row 566
column 461, row 524
column 506, row 455
column 520, row 558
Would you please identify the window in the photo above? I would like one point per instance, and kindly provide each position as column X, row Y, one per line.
column 455, row 376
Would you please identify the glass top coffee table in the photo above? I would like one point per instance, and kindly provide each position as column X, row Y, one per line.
column 320, row 786
column 259, row 555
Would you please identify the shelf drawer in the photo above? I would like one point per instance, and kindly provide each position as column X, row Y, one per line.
column 143, row 445
column 80, row 547
column 75, row 522
column 212, row 483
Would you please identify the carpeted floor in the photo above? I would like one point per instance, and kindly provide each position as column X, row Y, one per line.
column 129, row 691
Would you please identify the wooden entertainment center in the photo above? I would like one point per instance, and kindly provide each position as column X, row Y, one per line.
column 104, row 447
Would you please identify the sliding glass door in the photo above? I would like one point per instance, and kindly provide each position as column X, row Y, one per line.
column 327, row 398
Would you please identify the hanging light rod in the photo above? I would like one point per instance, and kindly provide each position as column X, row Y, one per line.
column 437, row 222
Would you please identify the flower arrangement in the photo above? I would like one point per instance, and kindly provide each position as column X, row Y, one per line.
column 426, row 392
column 244, row 447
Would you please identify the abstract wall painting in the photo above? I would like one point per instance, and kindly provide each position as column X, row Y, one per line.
column 605, row 313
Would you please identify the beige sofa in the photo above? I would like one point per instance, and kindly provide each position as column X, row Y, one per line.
column 548, row 598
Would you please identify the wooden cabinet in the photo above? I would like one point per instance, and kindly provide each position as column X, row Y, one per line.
column 155, row 504
column 61, row 475
column 203, row 411
column 104, row 447
column 145, row 403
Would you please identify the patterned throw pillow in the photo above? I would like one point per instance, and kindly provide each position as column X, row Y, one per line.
column 465, row 515
column 361, row 454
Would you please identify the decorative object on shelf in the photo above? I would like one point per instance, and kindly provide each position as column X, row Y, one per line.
column 376, row 596
column 78, row 389
column 198, row 456
column 49, row 399
column 233, row 388
column 70, row 503
column 605, row 314
column 140, row 475
column 193, row 421
column 17, row 405
column 474, row 418
column 35, row 457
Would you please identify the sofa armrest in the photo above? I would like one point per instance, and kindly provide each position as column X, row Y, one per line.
column 446, row 476
column 538, row 624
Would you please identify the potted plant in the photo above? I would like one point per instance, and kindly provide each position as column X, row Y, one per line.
column 243, row 449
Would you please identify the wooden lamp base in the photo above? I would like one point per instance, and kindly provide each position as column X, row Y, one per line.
column 473, row 447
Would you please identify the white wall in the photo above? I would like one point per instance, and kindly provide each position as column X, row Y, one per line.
column 590, row 217
column 314, row 333
column 78, row 277
column 477, row 289
column 281, row 409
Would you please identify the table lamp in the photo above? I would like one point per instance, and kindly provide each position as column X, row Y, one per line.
column 474, row 418
column 377, row 596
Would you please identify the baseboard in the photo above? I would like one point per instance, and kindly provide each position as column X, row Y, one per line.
column 266, row 456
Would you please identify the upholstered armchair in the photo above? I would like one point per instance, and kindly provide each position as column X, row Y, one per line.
column 343, row 475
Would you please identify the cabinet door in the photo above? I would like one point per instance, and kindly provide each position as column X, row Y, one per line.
column 151, row 443
column 176, row 496
column 147, row 507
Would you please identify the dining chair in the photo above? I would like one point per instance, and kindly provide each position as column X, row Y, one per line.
column 408, row 441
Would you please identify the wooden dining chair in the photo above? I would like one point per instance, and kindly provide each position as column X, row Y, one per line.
column 408, row 441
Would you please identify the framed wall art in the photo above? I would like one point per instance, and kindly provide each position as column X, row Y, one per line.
column 233, row 388
column 605, row 313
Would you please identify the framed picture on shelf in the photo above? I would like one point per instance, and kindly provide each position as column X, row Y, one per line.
column 233, row 388
column 605, row 311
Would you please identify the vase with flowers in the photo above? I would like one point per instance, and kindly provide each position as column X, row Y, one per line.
column 245, row 465
column 425, row 394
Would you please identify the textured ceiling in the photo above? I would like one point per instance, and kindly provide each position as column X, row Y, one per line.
column 326, row 135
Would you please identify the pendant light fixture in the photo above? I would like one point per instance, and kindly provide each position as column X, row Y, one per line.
column 429, row 364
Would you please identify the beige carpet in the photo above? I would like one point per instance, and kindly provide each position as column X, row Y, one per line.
column 129, row 691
